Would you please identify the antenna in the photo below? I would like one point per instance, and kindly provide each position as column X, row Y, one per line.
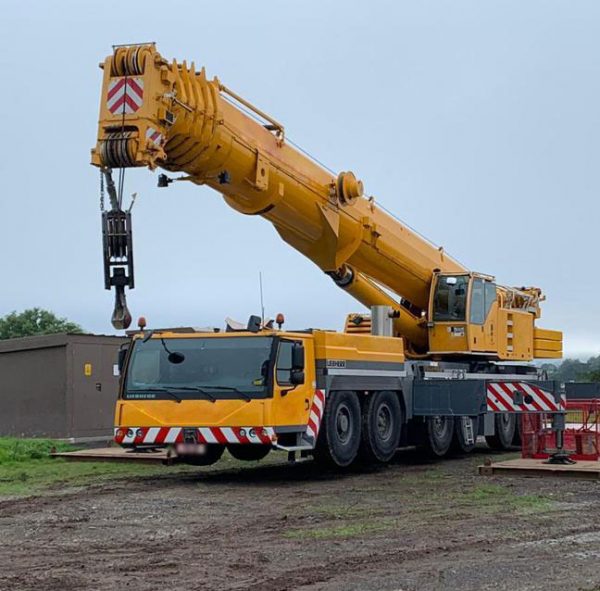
column 262, row 302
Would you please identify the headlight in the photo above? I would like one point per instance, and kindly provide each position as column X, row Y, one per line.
column 139, row 433
column 242, row 432
column 129, row 432
column 120, row 433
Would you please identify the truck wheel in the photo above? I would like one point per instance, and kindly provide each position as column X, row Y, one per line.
column 381, row 427
column 504, row 431
column 249, row 453
column 518, row 426
column 438, row 432
column 465, row 428
column 339, row 438
column 213, row 454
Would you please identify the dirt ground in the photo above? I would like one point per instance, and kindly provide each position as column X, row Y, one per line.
column 411, row 525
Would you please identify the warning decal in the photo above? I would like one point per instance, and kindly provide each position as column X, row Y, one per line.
column 125, row 95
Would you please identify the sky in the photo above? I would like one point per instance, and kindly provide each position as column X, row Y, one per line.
column 477, row 123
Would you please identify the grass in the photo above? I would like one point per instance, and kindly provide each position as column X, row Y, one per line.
column 347, row 511
column 26, row 468
column 341, row 531
column 497, row 498
column 13, row 450
column 433, row 475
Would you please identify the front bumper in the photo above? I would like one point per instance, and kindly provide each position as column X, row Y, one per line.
column 163, row 436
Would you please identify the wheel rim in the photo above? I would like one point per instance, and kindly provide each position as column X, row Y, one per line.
column 506, row 421
column 343, row 423
column 385, row 422
column 440, row 427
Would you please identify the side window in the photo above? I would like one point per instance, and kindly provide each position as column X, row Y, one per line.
column 477, row 314
column 283, row 368
column 490, row 296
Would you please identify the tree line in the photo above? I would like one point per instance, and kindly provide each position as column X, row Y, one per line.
column 574, row 370
column 35, row 321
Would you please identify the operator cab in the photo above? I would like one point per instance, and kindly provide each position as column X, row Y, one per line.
column 463, row 313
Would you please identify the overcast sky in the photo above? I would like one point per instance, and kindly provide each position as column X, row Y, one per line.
column 475, row 122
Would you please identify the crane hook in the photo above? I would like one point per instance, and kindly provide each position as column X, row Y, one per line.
column 121, row 317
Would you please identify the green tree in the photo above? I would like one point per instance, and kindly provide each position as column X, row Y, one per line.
column 551, row 369
column 571, row 370
column 594, row 376
column 34, row 321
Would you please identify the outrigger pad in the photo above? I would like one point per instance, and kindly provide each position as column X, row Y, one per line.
column 560, row 457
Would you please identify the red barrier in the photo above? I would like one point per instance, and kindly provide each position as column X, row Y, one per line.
column 581, row 435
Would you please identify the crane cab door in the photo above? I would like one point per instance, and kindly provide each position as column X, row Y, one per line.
column 293, row 386
column 448, row 314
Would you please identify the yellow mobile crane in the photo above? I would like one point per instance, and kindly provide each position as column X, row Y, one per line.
column 435, row 363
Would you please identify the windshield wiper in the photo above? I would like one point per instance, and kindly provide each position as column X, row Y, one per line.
column 198, row 389
column 229, row 389
column 165, row 390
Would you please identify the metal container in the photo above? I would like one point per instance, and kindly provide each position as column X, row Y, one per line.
column 60, row 386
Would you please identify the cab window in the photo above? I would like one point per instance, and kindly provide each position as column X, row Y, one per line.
column 477, row 313
column 450, row 299
column 283, row 367
column 490, row 296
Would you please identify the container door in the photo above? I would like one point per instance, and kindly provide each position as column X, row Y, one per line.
column 94, row 386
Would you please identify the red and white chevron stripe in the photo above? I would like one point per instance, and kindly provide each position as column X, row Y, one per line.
column 164, row 435
column 316, row 415
column 154, row 136
column 501, row 398
column 125, row 95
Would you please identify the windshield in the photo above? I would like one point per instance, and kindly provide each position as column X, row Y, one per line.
column 214, row 368
column 450, row 301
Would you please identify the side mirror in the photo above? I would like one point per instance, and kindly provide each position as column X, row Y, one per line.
column 121, row 358
column 298, row 358
column 297, row 377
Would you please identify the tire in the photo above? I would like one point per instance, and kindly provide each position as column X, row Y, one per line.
column 459, row 442
column 249, row 453
column 504, row 431
column 381, row 427
column 339, row 438
column 438, row 432
column 516, row 441
column 213, row 454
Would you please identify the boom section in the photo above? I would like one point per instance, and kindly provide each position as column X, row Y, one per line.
column 164, row 114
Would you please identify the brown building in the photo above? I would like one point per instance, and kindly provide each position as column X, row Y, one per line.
column 61, row 386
